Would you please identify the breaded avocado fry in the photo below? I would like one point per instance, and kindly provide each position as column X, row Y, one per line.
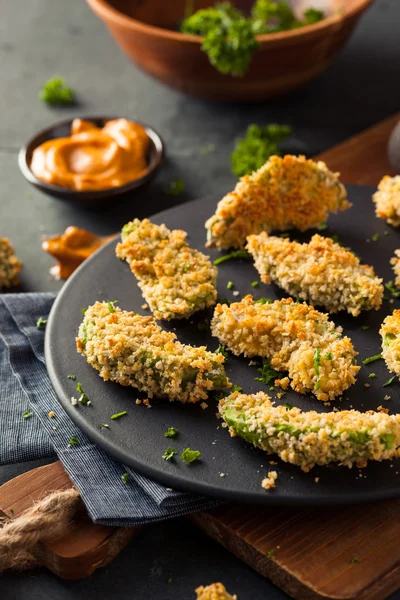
column 285, row 193
column 295, row 337
column 10, row 266
column 390, row 332
column 387, row 200
column 309, row 438
column 215, row 591
column 320, row 272
column 175, row 280
column 133, row 350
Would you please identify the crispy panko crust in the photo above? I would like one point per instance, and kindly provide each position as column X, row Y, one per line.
column 295, row 337
column 285, row 193
column 133, row 350
column 320, row 272
column 387, row 200
column 395, row 261
column 215, row 591
column 309, row 438
column 175, row 280
column 10, row 266
column 390, row 332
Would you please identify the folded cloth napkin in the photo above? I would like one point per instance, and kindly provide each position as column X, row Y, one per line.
column 25, row 386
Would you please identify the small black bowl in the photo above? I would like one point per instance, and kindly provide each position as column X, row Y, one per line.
column 88, row 198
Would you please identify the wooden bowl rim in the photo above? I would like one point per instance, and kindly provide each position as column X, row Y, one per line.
column 103, row 9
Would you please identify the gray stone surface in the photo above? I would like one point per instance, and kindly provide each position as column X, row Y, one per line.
column 42, row 38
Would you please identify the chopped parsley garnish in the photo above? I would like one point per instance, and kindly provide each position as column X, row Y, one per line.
column 335, row 238
column 354, row 560
column 389, row 381
column 83, row 399
column 55, row 91
column 284, row 235
column 235, row 254
column 267, row 373
column 175, row 187
column 317, row 361
column 224, row 300
column 271, row 553
column 263, row 301
column 322, row 227
column 388, row 337
column 371, row 359
column 372, row 375
column 83, row 310
column 171, row 432
column 375, row 237
column 288, row 406
column 118, row 415
column 391, row 287
column 169, row 580
column 236, row 388
column 255, row 284
column 365, row 327
column 189, row 456
column 41, row 323
column 272, row 388
column 230, row 285
column 313, row 15
column 111, row 305
column 186, row 267
column 259, row 143
column 73, row 441
column 104, row 426
column 328, row 356
column 27, row 414
column 73, row 377
column 202, row 326
column 125, row 477
column 221, row 350
column 169, row 454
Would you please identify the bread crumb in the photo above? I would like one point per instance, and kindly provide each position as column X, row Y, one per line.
column 222, row 474
column 269, row 482
column 145, row 306
column 236, row 293
column 367, row 385
column 138, row 401
column 74, row 401
column 383, row 410
column 52, row 414
column 283, row 383
column 387, row 397
column 169, row 489
column 316, row 479
column 273, row 462
column 146, row 402
column 204, row 405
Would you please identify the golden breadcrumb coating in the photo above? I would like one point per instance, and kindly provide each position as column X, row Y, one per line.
column 175, row 280
column 134, row 351
column 269, row 482
column 309, row 438
column 215, row 591
column 295, row 337
column 285, row 193
column 387, row 200
column 10, row 266
column 320, row 272
column 395, row 261
column 390, row 332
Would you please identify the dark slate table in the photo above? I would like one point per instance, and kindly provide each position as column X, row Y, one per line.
column 43, row 38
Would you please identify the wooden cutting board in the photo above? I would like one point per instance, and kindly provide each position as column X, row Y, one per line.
column 345, row 553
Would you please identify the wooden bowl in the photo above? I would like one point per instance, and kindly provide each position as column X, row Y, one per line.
column 146, row 32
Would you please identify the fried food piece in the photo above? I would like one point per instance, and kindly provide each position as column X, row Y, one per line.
column 309, row 438
column 390, row 332
column 10, row 266
column 175, row 280
column 285, row 193
column 215, row 591
column 387, row 200
column 134, row 351
column 395, row 261
column 295, row 337
column 320, row 272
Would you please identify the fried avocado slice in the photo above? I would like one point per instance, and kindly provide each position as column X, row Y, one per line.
column 10, row 266
column 175, row 280
column 295, row 338
column 133, row 350
column 387, row 200
column 307, row 439
column 390, row 332
column 215, row 591
column 320, row 272
column 285, row 193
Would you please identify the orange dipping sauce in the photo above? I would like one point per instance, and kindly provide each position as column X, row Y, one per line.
column 93, row 158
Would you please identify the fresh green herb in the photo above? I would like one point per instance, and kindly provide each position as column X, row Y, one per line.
column 288, row 406
column 118, row 415
column 169, row 454
column 235, row 254
column 391, row 287
column 271, row 389
column 372, row 375
column 328, row 356
column 11, row 511
column 365, row 327
column 389, row 381
column 73, row 441
column 354, row 560
column 202, row 326
column 371, row 359
column 230, row 285
column 73, row 377
column 169, row 580
column 27, row 414
column 104, row 426
column 189, row 456
column 111, row 305
column 267, row 373
column 175, row 187
column 221, row 350
column 335, row 238
column 255, row 284
column 259, row 143
column 375, row 237
column 41, row 323
column 312, row 15
column 125, row 477
column 317, row 361
column 263, row 301
column 388, row 338
column 83, row 399
column 284, row 235
column 83, row 310
column 322, row 227
column 186, row 267
column 236, row 388
column 271, row 553
column 224, row 300
column 207, row 149
column 55, row 91
column 171, row 432
column 386, row 233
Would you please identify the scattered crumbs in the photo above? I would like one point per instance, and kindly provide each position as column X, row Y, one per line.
column 213, row 443
column 224, row 425
column 252, row 363
column 138, row 401
column 270, row 481
column 125, row 477
column 316, row 479
column 104, row 426
column 383, row 410
column 222, row 474
column 52, row 414
column 169, row 490
column 354, row 560
column 372, row 375
column 367, row 385
column 235, row 293
column 335, row 409
column 391, row 301
column 218, row 415
column 73, row 377
column 146, row 402
column 145, row 306
column 54, row 427
column 375, row 237
column 273, row 462
column 386, row 397
column 283, row 383
column 27, row 414
column 280, row 395
column 74, row 401
column 271, row 553
column 327, row 403
column 204, row 405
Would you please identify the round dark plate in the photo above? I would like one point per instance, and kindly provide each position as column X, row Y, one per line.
column 229, row 468
column 88, row 198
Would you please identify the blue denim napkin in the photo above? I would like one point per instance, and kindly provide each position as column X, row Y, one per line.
column 25, row 386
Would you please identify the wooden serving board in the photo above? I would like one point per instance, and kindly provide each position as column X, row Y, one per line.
column 345, row 553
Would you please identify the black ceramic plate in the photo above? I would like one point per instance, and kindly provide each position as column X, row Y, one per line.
column 138, row 439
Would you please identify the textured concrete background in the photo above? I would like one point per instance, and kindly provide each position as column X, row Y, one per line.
column 42, row 38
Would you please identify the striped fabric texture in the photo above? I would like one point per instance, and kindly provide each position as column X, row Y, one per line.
column 25, row 386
